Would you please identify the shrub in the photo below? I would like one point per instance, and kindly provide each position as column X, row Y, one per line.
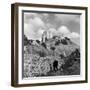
column 52, row 48
column 26, row 42
column 38, row 41
column 44, row 45
column 42, row 53
column 57, row 42
column 63, row 41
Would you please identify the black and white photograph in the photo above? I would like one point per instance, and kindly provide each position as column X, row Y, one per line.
column 51, row 44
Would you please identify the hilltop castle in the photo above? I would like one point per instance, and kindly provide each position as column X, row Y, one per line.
column 46, row 35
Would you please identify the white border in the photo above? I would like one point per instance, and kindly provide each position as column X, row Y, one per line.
column 55, row 78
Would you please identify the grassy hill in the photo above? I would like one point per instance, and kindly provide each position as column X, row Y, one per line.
column 39, row 57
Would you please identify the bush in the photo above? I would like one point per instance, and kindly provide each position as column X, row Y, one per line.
column 54, row 37
column 26, row 42
column 44, row 45
column 57, row 42
column 38, row 41
column 52, row 48
column 63, row 41
column 42, row 54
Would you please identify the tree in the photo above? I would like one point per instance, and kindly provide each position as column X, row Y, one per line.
column 54, row 37
column 38, row 41
column 57, row 42
column 46, row 39
column 63, row 41
column 42, row 53
column 53, row 48
column 44, row 45
column 30, row 41
column 25, row 40
column 67, row 38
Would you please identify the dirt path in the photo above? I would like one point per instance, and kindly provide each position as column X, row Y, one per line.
column 55, row 73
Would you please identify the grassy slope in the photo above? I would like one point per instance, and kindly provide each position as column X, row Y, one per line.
column 38, row 65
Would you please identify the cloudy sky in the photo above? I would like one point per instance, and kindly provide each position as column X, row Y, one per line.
column 67, row 24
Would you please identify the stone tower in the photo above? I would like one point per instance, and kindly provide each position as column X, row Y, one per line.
column 46, row 35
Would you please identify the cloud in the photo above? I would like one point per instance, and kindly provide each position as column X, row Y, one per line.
column 29, row 31
column 36, row 23
column 53, row 31
column 74, row 35
column 33, row 27
column 48, row 25
column 28, row 16
column 63, row 30
column 64, row 18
